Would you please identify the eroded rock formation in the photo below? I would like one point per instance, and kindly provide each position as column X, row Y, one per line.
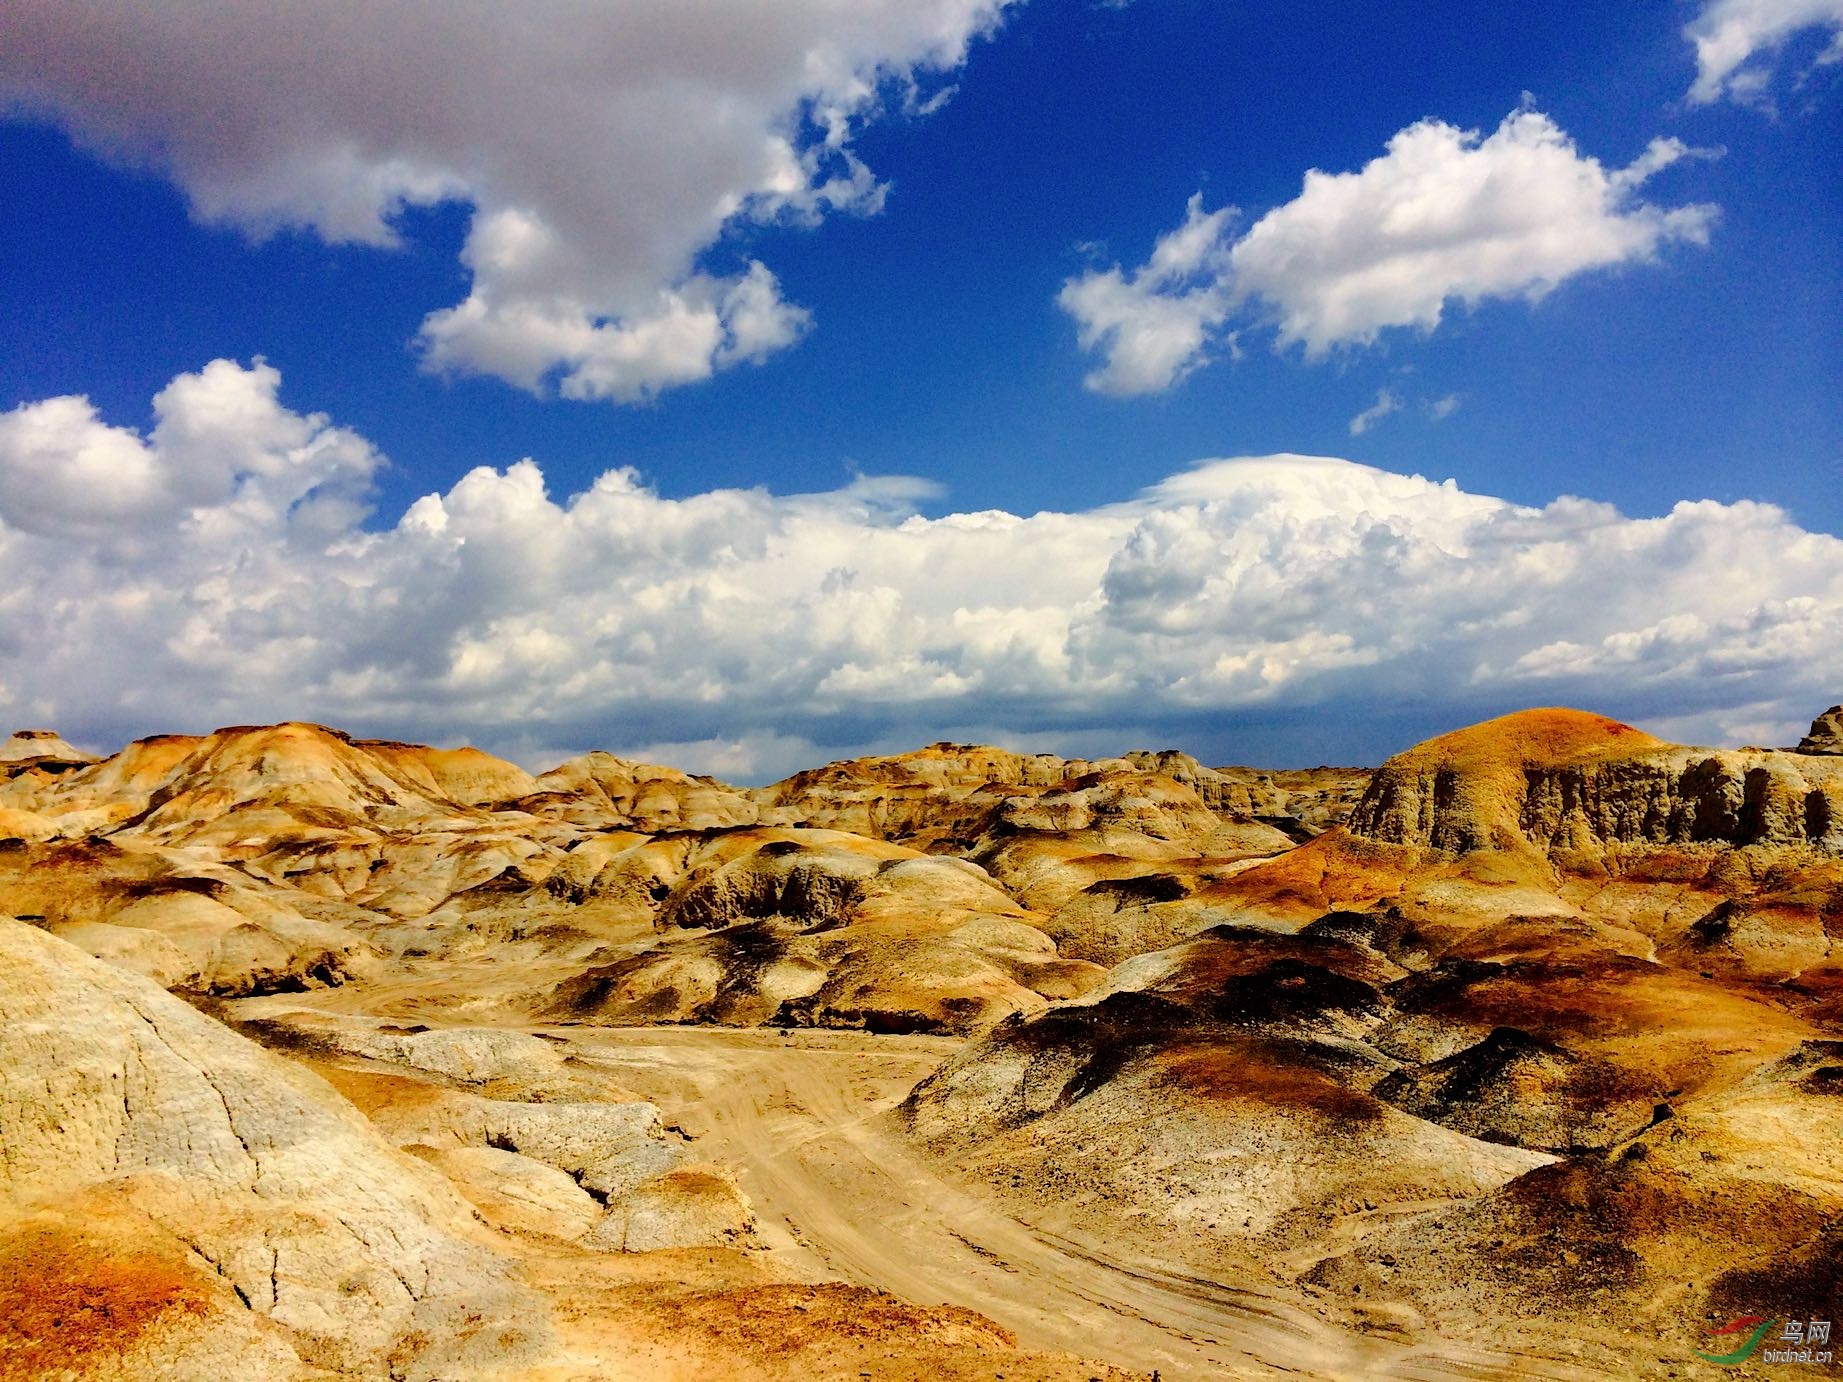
column 1826, row 734
column 1565, row 781
column 1542, row 1016
column 215, row 1153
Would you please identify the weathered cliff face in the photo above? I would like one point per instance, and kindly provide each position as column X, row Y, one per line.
column 954, row 792
column 344, row 1251
column 599, row 791
column 1565, row 782
column 1301, row 801
column 40, row 745
column 1826, row 734
column 1686, row 796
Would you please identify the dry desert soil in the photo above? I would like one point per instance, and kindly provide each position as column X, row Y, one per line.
column 323, row 1057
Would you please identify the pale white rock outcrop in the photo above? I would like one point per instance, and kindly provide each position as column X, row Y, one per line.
column 271, row 1179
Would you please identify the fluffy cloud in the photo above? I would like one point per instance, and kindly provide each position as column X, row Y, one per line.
column 1728, row 34
column 603, row 147
column 736, row 623
column 222, row 453
column 1447, row 215
column 1154, row 324
column 1444, row 215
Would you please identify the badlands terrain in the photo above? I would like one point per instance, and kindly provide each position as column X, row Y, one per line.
column 330, row 1057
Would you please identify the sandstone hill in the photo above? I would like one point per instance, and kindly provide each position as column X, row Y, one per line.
column 177, row 1202
column 1575, row 784
column 1826, row 734
column 951, row 794
column 1525, row 1046
column 43, row 749
column 241, row 1212
column 259, row 859
column 1606, row 968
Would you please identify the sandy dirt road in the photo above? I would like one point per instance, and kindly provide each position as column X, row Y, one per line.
column 842, row 1195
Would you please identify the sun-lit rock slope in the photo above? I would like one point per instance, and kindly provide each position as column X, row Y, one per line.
column 1543, row 1049
column 1569, row 783
column 1530, row 1039
column 262, row 859
column 1826, row 734
column 177, row 1202
column 281, row 1231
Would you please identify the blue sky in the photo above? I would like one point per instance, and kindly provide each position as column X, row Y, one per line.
column 918, row 312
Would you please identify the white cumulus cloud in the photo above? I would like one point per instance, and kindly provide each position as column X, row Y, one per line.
column 215, row 569
column 604, row 147
column 1444, row 215
column 1154, row 324
column 1730, row 34
column 222, row 452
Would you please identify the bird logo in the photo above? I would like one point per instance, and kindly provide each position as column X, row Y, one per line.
column 1758, row 1324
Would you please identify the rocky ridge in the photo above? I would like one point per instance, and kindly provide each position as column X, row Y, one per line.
column 1482, row 1047
column 1826, row 735
column 212, row 1151
column 1549, row 933
column 260, row 859
column 1566, row 782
